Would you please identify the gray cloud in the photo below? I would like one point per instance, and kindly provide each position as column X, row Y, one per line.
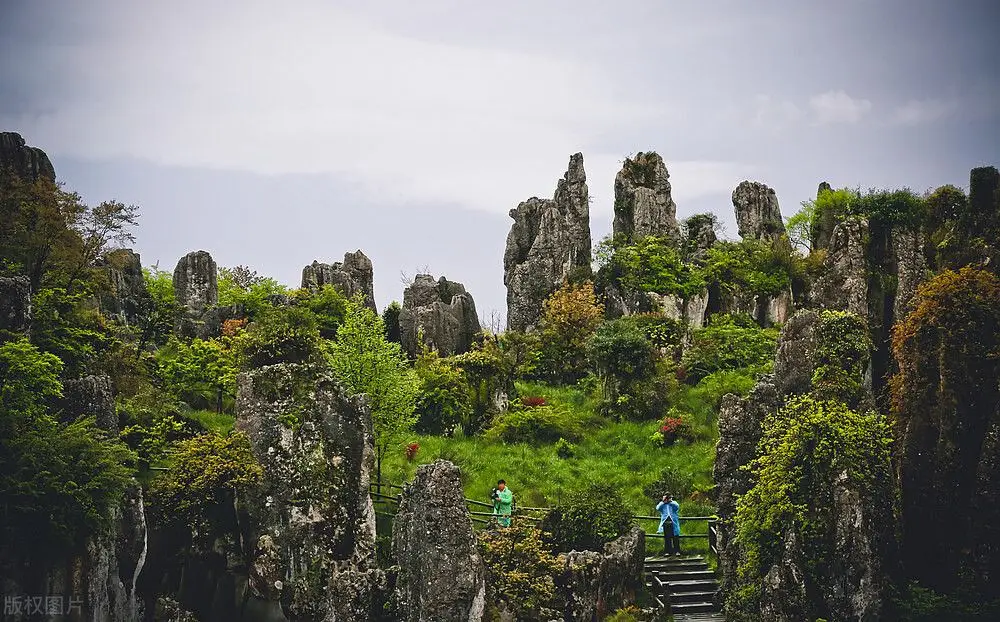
column 455, row 112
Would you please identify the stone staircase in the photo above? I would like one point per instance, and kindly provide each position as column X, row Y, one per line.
column 684, row 586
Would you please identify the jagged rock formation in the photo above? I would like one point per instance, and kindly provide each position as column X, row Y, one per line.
column 791, row 590
column 311, row 523
column 439, row 314
column 822, row 231
column 844, row 285
column 15, row 304
column 643, row 205
column 593, row 584
column 698, row 235
column 548, row 243
column 127, row 297
column 196, row 290
column 352, row 276
column 28, row 163
column 757, row 212
column 441, row 576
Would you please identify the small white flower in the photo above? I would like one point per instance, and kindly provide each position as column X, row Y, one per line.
column 278, row 584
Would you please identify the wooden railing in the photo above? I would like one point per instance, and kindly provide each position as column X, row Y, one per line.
column 482, row 515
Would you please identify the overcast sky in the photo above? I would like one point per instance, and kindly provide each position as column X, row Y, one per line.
column 272, row 134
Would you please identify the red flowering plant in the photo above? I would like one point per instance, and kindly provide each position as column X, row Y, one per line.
column 674, row 427
column 532, row 402
column 411, row 451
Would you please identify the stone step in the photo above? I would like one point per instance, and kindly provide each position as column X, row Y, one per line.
column 682, row 608
column 699, row 617
column 700, row 596
column 693, row 566
column 685, row 575
column 696, row 585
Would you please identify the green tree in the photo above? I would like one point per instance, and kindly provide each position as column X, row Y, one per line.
column 58, row 483
column 569, row 318
column 443, row 399
column 201, row 368
column 329, row 306
column 366, row 362
column 390, row 317
column 156, row 323
column 242, row 287
column 622, row 356
column 280, row 335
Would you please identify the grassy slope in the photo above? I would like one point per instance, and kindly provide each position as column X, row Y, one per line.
column 619, row 453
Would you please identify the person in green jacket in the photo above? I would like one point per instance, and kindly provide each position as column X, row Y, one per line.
column 503, row 499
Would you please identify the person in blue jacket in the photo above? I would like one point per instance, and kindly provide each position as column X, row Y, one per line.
column 670, row 524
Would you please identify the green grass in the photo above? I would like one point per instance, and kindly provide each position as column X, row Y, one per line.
column 212, row 421
column 619, row 453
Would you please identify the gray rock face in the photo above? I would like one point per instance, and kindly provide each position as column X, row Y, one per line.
column 793, row 362
column 757, row 212
column 196, row 290
column 823, row 231
column 593, row 584
column 311, row 520
column 643, row 205
column 15, row 304
column 549, row 240
column 440, row 313
column 698, row 235
column 28, row 163
column 127, row 297
column 441, row 575
column 91, row 396
column 910, row 265
column 844, row 285
column 352, row 276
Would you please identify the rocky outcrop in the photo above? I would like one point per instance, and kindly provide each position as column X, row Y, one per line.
column 196, row 290
column 311, row 523
column 909, row 265
column 757, row 212
column 692, row 310
column 593, row 584
column 844, row 284
column 698, row 235
column 355, row 275
column 440, row 576
column 15, row 305
column 826, row 220
column 127, row 298
column 548, row 243
column 439, row 314
column 19, row 160
column 643, row 205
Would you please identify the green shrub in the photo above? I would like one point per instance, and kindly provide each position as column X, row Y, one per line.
column 443, row 399
column 565, row 449
column 281, row 335
column 329, row 306
column 588, row 519
column 843, row 347
column 730, row 342
column 540, row 424
column 806, row 448
column 244, row 288
column 630, row 613
column 205, row 473
column 519, row 570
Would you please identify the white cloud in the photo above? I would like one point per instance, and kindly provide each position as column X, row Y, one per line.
column 838, row 107
column 918, row 112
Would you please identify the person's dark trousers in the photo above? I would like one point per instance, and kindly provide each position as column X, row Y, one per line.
column 676, row 543
column 671, row 543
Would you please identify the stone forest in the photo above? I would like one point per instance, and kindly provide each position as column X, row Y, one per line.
column 822, row 398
